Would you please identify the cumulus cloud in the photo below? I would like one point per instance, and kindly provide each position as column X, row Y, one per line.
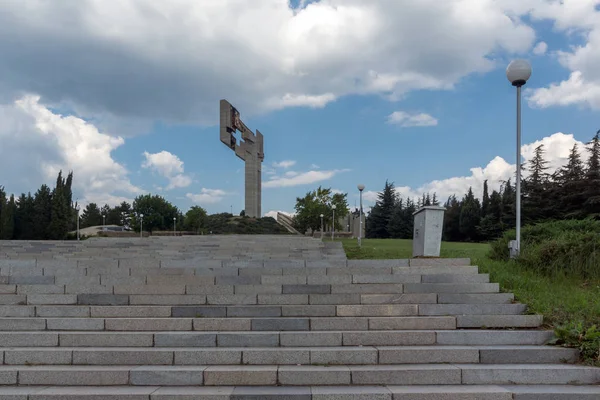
column 99, row 57
column 41, row 143
column 207, row 196
column 169, row 166
column 540, row 48
column 557, row 148
column 302, row 178
column 284, row 164
column 406, row 119
column 582, row 87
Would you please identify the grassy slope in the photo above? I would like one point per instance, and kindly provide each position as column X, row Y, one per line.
column 558, row 299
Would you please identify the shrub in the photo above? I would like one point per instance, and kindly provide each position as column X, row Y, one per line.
column 570, row 247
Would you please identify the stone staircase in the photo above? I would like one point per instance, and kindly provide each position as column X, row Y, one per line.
column 239, row 317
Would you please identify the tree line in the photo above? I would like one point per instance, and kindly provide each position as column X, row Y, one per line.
column 48, row 214
column 571, row 192
column 51, row 214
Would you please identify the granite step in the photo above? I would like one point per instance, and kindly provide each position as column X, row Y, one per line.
column 411, row 306
column 404, row 319
column 294, row 375
column 340, row 355
column 236, row 338
column 95, row 270
column 415, row 392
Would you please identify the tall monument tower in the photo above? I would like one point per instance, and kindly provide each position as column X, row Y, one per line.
column 250, row 149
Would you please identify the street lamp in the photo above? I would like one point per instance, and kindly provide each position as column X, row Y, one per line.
column 322, row 228
column 141, row 225
column 77, row 209
column 361, row 187
column 174, row 227
column 333, row 223
column 103, row 221
column 518, row 72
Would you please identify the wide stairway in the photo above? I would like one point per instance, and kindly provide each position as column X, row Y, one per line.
column 263, row 317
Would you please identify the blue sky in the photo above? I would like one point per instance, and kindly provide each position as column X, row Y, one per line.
column 414, row 94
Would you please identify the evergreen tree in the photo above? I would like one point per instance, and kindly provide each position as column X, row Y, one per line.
column 91, row 216
column 470, row 215
column 591, row 206
column 535, row 196
column 570, row 187
column 409, row 222
column 3, row 209
column 24, row 223
column 508, row 206
column 452, row 220
column 42, row 213
column 61, row 211
column 7, row 219
column 396, row 224
column 491, row 225
column 485, row 203
column 434, row 200
column 381, row 213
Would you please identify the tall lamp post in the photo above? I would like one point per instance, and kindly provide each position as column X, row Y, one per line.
column 322, row 228
column 361, row 187
column 174, row 227
column 518, row 72
column 141, row 225
column 103, row 221
column 77, row 209
column 333, row 223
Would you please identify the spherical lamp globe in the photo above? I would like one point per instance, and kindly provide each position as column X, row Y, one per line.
column 518, row 72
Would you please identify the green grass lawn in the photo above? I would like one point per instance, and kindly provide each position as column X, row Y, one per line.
column 558, row 299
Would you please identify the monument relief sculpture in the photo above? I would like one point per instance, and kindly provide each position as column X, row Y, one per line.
column 250, row 149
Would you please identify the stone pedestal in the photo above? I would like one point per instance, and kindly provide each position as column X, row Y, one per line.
column 427, row 232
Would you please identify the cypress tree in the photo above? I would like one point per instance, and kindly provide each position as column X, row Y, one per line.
column 485, row 203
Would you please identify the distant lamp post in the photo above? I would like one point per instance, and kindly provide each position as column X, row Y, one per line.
column 361, row 187
column 518, row 72
column 333, row 207
column 322, row 227
column 174, row 226
column 141, row 225
column 77, row 209
column 103, row 222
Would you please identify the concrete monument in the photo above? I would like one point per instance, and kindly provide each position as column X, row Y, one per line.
column 250, row 149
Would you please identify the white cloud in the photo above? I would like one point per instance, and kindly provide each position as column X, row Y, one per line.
column 314, row 166
column 284, row 164
column 575, row 90
column 540, row 48
column 405, row 119
column 42, row 142
column 582, row 87
column 303, row 178
column 304, row 57
column 169, row 166
column 207, row 196
column 557, row 148
column 291, row 174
